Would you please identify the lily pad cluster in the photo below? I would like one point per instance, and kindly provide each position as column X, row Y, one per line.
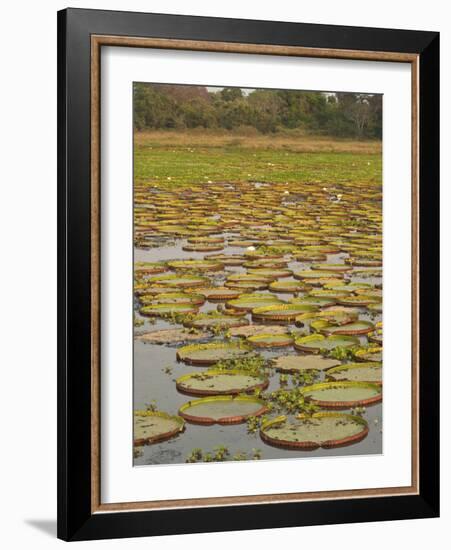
column 270, row 307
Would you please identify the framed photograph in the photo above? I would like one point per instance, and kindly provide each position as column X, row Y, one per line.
column 248, row 274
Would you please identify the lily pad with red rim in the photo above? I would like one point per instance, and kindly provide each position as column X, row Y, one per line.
column 316, row 343
column 222, row 409
column 342, row 394
column 357, row 372
column 211, row 353
column 153, row 427
column 323, row 429
column 220, row 382
column 300, row 363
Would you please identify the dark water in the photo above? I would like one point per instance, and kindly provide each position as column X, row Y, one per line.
column 152, row 383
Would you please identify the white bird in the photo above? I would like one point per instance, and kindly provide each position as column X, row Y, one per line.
column 250, row 248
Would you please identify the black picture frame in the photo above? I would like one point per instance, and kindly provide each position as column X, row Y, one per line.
column 76, row 521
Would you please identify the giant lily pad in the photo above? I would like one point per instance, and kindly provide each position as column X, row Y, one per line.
column 218, row 293
column 209, row 354
column 299, row 363
column 321, row 429
column 179, row 281
column 219, row 382
column 357, row 372
column 338, row 268
column 166, row 310
column 269, row 340
column 172, row 336
column 196, row 265
column 359, row 301
column 342, row 394
column 153, row 427
column 315, row 343
column 222, row 409
column 284, row 313
column 354, row 328
column 371, row 353
column 271, row 273
column 315, row 274
column 173, row 298
column 214, row 320
column 289, row 287
column 248, row 302
column 253, row 330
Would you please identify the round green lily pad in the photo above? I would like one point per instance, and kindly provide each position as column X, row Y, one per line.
column 172, row 336
column 209, row 354
column 268, row 340
column 153, row 427
column 359, row 301
column 166, row 310
column 227, row 259
column 299, row 363
column 222, row 409
column 339, row 268
column 219, row 382
column 218, row 293
column 354, row 328
column 196, row 265
column 289, row 287
column 248, row 286
column 173, row 298
column 284, row 313
column 271, row 273
column 371, row 353
column 357, row 372
column 181, row 281
column 149, row 268
column 342, row 394
column 215, row 320
column 317, row 301
column 248, row 302
column 203, row 247
column 314, row 274
column 248, row 277
column 252, row 330
column 205, row 240
column 321, row 429
column 315, row 343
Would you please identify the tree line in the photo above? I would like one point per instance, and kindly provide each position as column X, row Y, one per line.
column 352, row 115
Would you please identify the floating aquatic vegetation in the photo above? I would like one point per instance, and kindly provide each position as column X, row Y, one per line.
column 283, row 313
column 321, row 429
column 373, row 352
column 357, row 372
column 196, row 265
column 342, row 394
column 253, row 330
column 209, row 354
column 215, row 320
column 166, row 310
column 300, row 363
column 269, row 340
column 353, row 328
column 172, row 336
column 222, row 409
column 221, row 382
column 218, row 293
column 153, row 427
column 290, row 287
column 248, row 302
column 182, row 281
column 172, row 298
column 318, row 343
